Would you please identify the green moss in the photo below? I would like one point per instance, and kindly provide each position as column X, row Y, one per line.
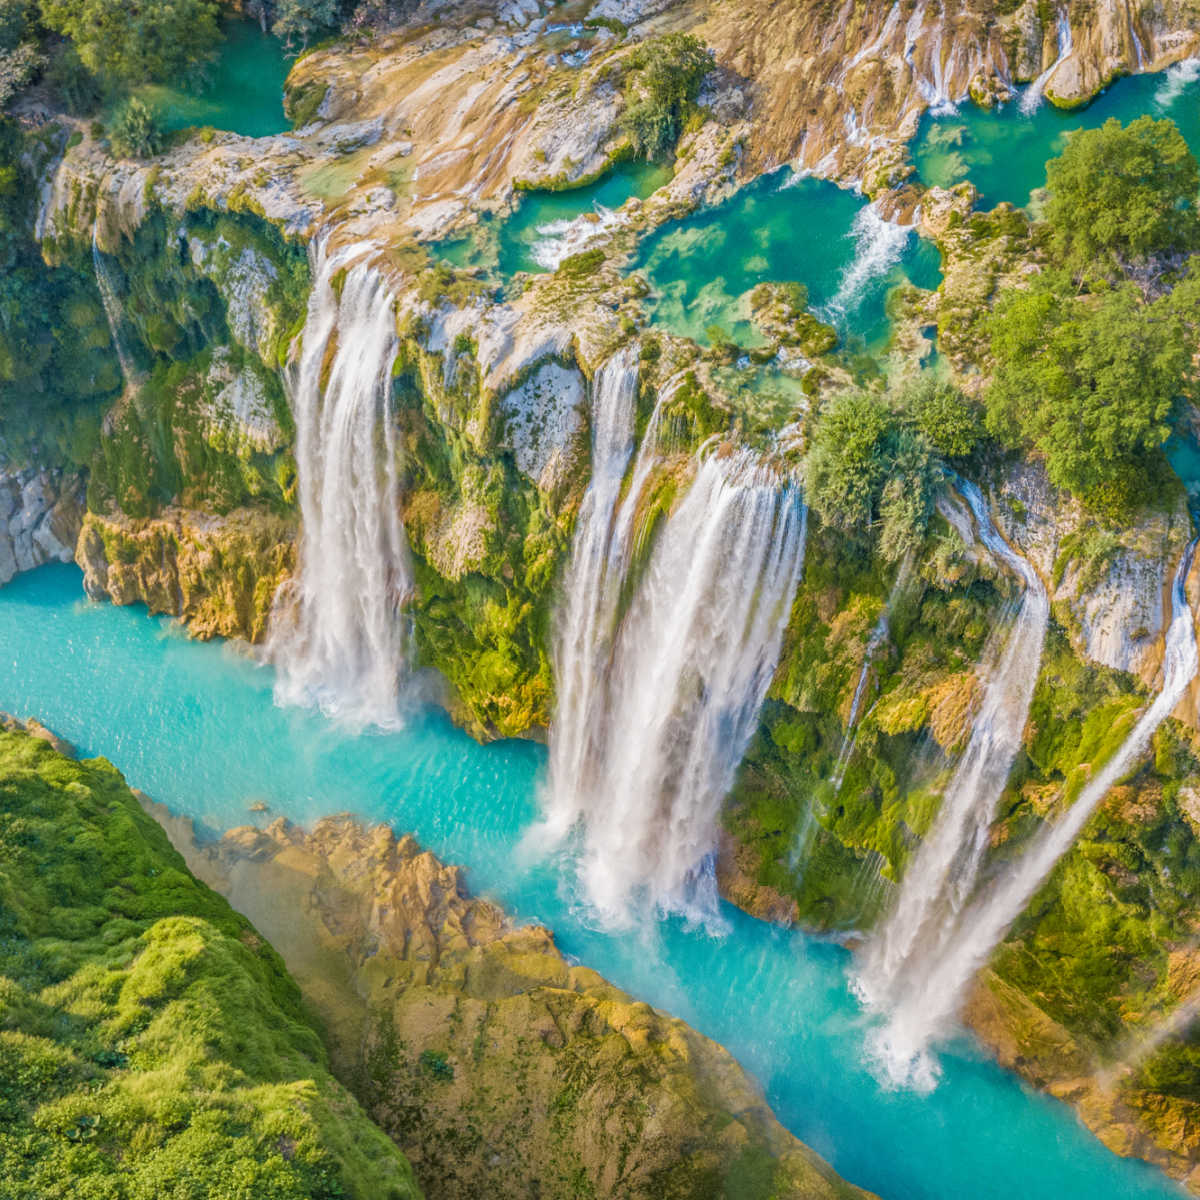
column 149, row 1038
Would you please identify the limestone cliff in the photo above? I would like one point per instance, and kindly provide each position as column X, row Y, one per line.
column 499, row 1068
column 40, row 515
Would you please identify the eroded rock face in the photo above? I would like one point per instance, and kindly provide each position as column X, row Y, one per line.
column 500, row 1069
column 40, row 516
column 218, row 574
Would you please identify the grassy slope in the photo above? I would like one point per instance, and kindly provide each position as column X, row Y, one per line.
column 151, row 1044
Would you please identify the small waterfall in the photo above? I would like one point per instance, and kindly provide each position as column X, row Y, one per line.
column 1032, row 95
column 558, row 240
column 112, row 310
column 878, row 247
column 942, row 872
column 337, row 634
column 935, row 994
column 878, row 634
column 587, row 619
column 681, row 683
column 1148, row 1042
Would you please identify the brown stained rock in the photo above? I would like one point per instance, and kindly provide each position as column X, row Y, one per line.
column 218, row 574
column 500, row 1069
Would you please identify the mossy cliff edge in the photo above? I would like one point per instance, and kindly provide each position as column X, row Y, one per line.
column 499, row 1069
column 150, row 1040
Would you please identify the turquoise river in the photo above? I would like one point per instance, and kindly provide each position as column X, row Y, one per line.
column 194, row 725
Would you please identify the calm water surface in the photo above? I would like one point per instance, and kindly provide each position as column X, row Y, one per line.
column 1003, row 153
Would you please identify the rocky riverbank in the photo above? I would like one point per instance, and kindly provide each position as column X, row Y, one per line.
column 499, row 1068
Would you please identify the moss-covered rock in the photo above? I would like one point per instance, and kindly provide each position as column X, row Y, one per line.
column 218, row 575
column 150, row 1040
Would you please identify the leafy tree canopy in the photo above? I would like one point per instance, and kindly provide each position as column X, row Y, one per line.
column 137, row 41
column 663, row 81
column 869, row 468
column 1121, row 195
column 1091, row 381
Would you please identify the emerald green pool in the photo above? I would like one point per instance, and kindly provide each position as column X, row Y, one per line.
column 1003, row 153
column 780, row 229
column 243, row 92
column 548, row 226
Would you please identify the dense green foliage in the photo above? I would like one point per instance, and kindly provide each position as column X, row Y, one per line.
column 872, row 465
column 57, row 365
column 1122, row 195
column 1105, row 370
column 137, row 43
column 663, row 78
column 1092, row 358
column 151, row 1044
column 135, row 131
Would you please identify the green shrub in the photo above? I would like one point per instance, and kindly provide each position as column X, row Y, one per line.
column 135, row 132
column 662, row 82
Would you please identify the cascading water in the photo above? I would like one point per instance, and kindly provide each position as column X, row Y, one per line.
column 935, row 993
column 558, row 240
column 942, row 872
column 112, row 309
column 1032, row 96
column 878, row 634
column 682, row 683
column 338, row 638
column 879, row 245
column 586, row 621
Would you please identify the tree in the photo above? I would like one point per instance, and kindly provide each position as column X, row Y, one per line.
column 949, row 422
column 663, row 80
column 1090, row 381
column 135, row 131
column 1120, row 196
column 137, row 41
column 298, row 20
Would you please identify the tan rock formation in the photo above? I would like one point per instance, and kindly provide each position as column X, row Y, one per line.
column 218, row 574
column 500, row 1069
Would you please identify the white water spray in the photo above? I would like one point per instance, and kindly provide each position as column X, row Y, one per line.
column 558, row 240
column 1176, row 80
column 942, row 872
column 878, row 247
column 682, row 684
column 338, row 638
column 1032, row 95
column 935, row 995
column 587, row 619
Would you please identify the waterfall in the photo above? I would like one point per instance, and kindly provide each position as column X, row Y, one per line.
column 587, row 619
column 337, row 634
column 878, row 246
column 558, row 240
column 1032, row 95
column 934, row 995
column 112, row 309
column 881, row 631
column 643, row 757
column 942, row 871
